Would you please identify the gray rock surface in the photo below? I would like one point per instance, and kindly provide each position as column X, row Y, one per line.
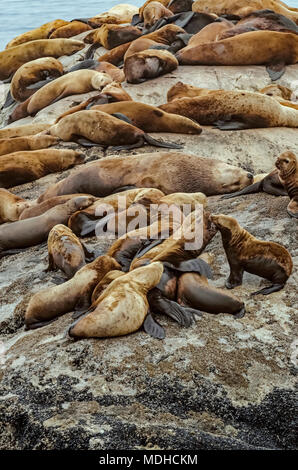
column 221, row 384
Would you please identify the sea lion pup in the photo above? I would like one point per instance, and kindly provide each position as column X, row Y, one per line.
column 242, row 8
column 153, row 12
column 122, row 307
column 280, row 93
column 22, row 167
column 230, row 110
column 11, row 206
column 32, row 142
column 246, row 253
column 30, row 232
column 73, row 83
column 51, row 303
column 112, row 35
column 241, row 50
column 35, row 209
column 149, row 64
column 43, row 32
column 12, row 59
column 66, row 252
column 151, row 119
column 194, row 291
column 23, row 131
column 287, row 166
column 148, row 170
column 72, row 29
column 103, row 129
column 33, row 72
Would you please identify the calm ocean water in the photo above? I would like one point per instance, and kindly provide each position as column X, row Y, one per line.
column 18, row 16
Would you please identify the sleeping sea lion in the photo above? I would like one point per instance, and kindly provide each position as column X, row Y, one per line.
column 32, row 142
column 42, row 32
column 246, row 253
column 69, row 30
column 112, row 35
column 35, row 209
column 153, row 12
column 121, row 13
column 23, row 131
column 11, row 206
column 148, row 64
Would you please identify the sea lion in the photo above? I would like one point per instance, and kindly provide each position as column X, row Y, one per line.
column 30, row 232
column 122, row 308
column 69, row 30
column 210, row 33
column 139, row 45
column 112, row 35
column 43, row 32
column 32, row 142
column 103, row 129
column 122, row 13
column 66, row 252
column 161, row 170
column 22, row 167
column 242, row 8
column 234, row 110
column 182, row 90
column 241, row 50
column 115, row 73
column 282, row 94
column 148, row 64
column 23, row 131
column 12, row 59
column 47, row 305
column 246, row 253
column 35, row 209
column 153, row 12
column 287, row 166
column 151, row 119
column 32, row 72
column 11, row 206
column 270, row 184
column 104, row 283
column 82, row 81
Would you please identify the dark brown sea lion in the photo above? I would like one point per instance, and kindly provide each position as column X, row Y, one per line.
column 246, row 253
column 42, row 32
column 287, row 166
column 161, row 170
column 111, row 35
column 30, row 232
column 149, row 64
column 33, row 142
column 11, row 206
column 72, row 29
column 35, row 209
column 22, row 167
column 47, row 305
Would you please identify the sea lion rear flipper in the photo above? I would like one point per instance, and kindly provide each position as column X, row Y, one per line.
column 172, row 309
column 276, row 71
column 89, row 254
column 235, row 125
column 137, row 145
column 269, row 290
column 158, row 143
column 82, row 20
column 184, row 18
column 87, row 143
column 9, row 101
column 159, row 24
column 58, row 280
column 251, row 189
column 91, row 51
column 14, row 251
column 153, row 328
column 34, row 326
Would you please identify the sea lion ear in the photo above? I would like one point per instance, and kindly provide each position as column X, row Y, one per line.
column 153, row 328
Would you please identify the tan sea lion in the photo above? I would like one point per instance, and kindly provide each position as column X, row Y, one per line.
column 69, row 30
column 47, row 305
column 287, row 165
column 112, row 35
column 11, row 206
column 139, row 45
column 121, row 13
column 81, row 81
column 234, row 110
column 246, row 253
column 104, row 283
column 22, row 167
column 30, row 232
column 122, row 308
column 66, row 252
column 43, row 32
column 182, row 90
column 161, row 170
column 143, row 7
column 153, row 12
column 23, row 131
column 210, row 33
column 33, row 142
column 282, row 94
column 13, row 58
column 35, row 209
column 32, row 72
column 148, row 64
column 241, row 50
column 115, row 73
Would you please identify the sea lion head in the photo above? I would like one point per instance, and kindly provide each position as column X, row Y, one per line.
column 80, row 203
column 234, row 178
column 286, row 163
column 224, row 223
column 185, row 198
column 277, row 90
column 100, row 80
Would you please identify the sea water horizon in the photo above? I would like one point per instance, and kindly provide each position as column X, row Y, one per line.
column 19, row 16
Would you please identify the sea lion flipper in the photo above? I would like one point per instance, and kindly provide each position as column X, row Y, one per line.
column 91, row 51
column 276, row 71
column 89, row 254
column 137, row 145
column 240, row 314
column 136, row 20
column 269, row 290
column 153, row 328
column 82, row 307
column 122, row 117
column 235, row 125
column 172, row 309
column 195, row 265
column 251, row 189
column 159, row 143
column 9, row 101
column 87, row 143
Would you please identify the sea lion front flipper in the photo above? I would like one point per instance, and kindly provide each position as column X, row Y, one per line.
column 159, row 143
column 147, row 245
column 172, row 309
column 195, row 265
column 89, row 254
column 87, row 143
column 240, row 314
column 9, row 101
column 35, row 326
column 184, row 18
column 122, row 117
column 136, row 20
column 153, row 328
column 251, row 189
column 234, row 125
column 137, row 145
column 269, row 290
column 276, row 71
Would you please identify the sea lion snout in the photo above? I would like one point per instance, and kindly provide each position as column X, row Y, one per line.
column 250, row 176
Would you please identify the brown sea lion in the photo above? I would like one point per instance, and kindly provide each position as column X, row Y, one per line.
column 161, row 170
column 112, row 35
column 153, row 12
column 122, row 308
column 246, row 253
column 103, row 129
column 47, row 305
column 23, row 131
column 242, row 7
column 143, row 7
column 241, row 50
column 287, row 165
column 32, row 72
column 81, row 81
column 43, row 32
column 234, row 110
column 11, row 206
column 69, row 30
column 122, row 13
column 33, row 142
column 210, row 33
column 22, row 167
column 182, row 90
column 35, row 209
column 151, row 119
column 30, row 232
column 115, row 73
column 149, row 64
column 270, row 184
column 66, row 252
column 139, row 45
column 12, row 59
